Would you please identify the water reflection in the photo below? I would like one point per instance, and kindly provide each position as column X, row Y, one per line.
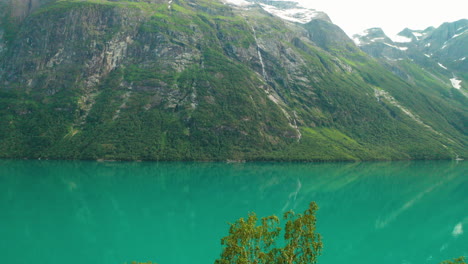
column 112, row 212
column 457, row 230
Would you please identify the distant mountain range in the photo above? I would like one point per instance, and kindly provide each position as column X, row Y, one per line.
column 441, row 50
column 224, row 80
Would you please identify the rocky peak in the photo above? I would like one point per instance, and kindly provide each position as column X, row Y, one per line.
column 376, row 43
column 442, row 49
column 406, row 35
column 446, row 34
column 371, row 35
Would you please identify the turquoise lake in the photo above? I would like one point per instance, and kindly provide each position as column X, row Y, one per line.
column 170, row 213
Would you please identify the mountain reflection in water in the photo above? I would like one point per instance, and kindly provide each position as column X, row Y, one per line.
column 170, row 213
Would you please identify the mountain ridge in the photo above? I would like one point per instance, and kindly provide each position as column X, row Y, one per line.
column 200, row 80
column 441, row 49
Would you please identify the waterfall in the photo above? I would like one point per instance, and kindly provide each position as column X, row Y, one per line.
column 277, row 100
column 264, row 74
column 299, row 135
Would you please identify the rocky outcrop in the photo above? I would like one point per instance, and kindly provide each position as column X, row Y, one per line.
column 20, row 9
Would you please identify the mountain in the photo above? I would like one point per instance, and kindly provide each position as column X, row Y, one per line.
column 440, row 51
column 212, row 80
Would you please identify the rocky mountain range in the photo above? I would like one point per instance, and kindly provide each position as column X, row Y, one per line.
column 440, row 50
column 223, row 80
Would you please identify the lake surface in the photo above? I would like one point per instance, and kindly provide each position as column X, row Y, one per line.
column 170, row 213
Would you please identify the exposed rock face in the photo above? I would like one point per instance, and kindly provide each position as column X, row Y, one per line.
column 203, row 80
column 329, row 36
column 20, row 9
column 448, row 44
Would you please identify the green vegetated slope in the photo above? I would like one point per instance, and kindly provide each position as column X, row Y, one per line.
column 199, row 80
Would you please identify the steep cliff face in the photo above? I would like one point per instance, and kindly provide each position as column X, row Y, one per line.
column 448, row 44
column 20, row 9
column 2, row 40
column 203, row 80
column 12, row 14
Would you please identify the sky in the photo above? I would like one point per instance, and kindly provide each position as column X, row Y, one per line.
column 391, row 15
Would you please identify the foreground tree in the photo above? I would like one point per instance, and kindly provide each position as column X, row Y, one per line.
column 460, row 260
column 248, row 243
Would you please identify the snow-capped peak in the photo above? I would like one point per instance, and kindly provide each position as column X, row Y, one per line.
column 370, row 35
column 287, row 10
column 299, row 14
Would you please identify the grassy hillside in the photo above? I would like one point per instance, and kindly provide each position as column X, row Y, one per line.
column 202, row 81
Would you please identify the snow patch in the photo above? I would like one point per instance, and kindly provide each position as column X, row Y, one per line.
column 459, row 34
column 298, row 15
column 391, row 59
column 456, row 83
column 376, row 39
column 442, row 66
column 396, row 47
column 238, row 2
column 357, row 41
column 462, row 59
column 427, row 55
column 364, row 32
column 390, row 45
column 401, row 39
column 427, row 45
column 418, row 35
